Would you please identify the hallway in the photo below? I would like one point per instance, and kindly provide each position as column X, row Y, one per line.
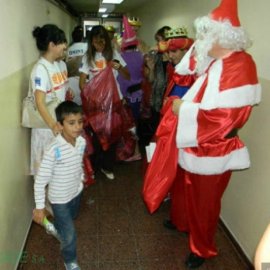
column 115, row 232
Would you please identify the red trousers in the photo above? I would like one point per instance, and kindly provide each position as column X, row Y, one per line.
column 195, row 208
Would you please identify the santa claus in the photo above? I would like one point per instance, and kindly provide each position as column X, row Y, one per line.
column 209, row 115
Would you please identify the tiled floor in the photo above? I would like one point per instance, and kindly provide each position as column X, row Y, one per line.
column 115, row 232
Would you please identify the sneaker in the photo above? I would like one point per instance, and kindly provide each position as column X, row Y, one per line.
column 50, row 229
column 108, row 174
column 72, row 266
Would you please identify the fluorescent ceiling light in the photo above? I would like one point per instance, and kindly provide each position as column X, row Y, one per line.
column 102, row 10
column 105, row 15
column 112, row 1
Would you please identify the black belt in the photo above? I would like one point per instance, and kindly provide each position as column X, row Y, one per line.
column 232, row 133
column 134, row 88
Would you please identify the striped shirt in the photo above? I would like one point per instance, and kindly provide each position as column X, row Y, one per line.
column 60, row 169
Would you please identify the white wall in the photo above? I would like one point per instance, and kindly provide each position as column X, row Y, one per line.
column 18, row 53
column 246, row 202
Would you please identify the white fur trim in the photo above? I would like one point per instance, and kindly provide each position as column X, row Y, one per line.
column 182, row 68
column 236, row 160
column 211, row 94
column 229, row 98
column 187, row 127
column 240, row 96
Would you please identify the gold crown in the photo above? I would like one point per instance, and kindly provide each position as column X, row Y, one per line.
column 177, row 32
column 110, row 28
column 134, row 21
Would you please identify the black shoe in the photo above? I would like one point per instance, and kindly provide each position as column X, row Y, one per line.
column 168, row 224
column 194, row 261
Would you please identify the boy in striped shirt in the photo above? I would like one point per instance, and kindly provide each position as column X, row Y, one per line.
column 61, row 170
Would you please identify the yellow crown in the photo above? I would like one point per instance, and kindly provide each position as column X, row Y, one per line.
column 134, row 21
column 177, row 32
column 110, row 28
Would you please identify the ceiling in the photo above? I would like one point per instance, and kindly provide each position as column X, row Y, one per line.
column 80, row 7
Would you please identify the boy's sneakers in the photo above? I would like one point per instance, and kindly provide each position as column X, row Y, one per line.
column 72, row 266
column 50, row 229
column 108, row 174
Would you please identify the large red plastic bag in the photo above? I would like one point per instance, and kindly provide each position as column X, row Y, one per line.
column 162, row 169
column 125, row 148
column 102, row 107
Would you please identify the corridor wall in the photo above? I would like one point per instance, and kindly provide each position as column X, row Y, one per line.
column 18, row 54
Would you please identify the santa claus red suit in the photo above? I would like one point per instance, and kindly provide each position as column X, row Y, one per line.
column 218, row 104
column 215, row 107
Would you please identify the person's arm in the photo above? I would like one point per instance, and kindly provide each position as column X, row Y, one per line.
column 262, row 254
column 40, row 97
column 149, row 66
column 41, row 181
column 39, row 215
column 82, row 81
column 120, row 65
column 83, row 70
column 122, row 70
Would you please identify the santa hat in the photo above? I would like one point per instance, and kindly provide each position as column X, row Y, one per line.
column 129, row 36
column 226, row 10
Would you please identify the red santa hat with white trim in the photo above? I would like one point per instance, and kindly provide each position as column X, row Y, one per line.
column 129, row 36
column 227, row 9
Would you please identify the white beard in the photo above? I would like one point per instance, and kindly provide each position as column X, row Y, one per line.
column 202, row 47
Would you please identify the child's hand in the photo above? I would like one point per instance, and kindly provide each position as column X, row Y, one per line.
column 116, row 64
column 39, row 215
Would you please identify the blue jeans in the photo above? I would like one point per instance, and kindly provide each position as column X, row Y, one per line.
column 63, row 222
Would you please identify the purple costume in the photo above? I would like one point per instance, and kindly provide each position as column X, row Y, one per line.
column 131, row 89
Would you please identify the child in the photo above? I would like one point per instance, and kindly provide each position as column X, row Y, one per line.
column 61, row 169
column 101, row 64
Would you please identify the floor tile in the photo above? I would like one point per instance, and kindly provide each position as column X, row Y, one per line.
column 116, row 232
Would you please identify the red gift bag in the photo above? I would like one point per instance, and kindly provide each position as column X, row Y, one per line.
column 102, row 107
column 162, row 169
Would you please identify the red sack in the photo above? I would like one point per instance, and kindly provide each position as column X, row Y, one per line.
column 126, row 146
column 102, row 107
column 88, row 171
column 127, row 117
column 162, row 169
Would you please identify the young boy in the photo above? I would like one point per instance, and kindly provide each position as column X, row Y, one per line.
column 61, row 169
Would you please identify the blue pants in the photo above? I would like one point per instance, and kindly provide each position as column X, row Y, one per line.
column 63, row 222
